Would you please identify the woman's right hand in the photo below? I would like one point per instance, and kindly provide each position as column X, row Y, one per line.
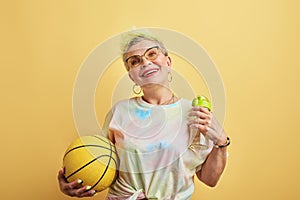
column 75, row 188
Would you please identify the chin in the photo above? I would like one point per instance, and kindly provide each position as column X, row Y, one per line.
column 155, row 84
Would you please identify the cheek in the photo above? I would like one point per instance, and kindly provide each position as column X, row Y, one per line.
column 159, row 61
column 162, row 61
column 134, row 75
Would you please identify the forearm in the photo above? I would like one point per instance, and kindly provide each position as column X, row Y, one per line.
column 213, row 167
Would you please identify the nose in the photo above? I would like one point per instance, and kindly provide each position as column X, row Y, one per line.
column 145, row 62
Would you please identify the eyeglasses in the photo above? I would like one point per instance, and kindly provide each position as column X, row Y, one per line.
column 136, row 60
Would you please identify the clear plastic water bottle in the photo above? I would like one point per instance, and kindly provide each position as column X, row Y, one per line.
column 197, row 139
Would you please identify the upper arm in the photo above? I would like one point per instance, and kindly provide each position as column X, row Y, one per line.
column 105, row 128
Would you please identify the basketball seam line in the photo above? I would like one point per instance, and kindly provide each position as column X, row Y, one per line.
column 86, row 145
column 88, row 164
column 105, row 168
column 107, row 142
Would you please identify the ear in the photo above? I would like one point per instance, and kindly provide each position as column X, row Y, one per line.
column 169, row 61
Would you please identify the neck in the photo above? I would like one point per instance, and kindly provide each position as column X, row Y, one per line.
column 158, row 95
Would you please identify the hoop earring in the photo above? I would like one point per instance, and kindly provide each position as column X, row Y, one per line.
column 134, row 89
column 170, row 77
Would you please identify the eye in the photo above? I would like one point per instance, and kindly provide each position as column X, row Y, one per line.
column 134, row 61
column 151, row 54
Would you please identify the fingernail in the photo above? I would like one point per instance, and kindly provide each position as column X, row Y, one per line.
column 95, row 192
column 79, row 181
column 88, row 187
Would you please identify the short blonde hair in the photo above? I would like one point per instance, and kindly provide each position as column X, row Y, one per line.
column 133, row 37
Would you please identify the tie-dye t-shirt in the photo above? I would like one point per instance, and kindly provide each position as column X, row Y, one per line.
column 157, row 157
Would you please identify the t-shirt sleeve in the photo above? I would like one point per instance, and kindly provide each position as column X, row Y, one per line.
column 105, row 129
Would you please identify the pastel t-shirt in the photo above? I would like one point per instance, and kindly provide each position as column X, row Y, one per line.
column 157, row 158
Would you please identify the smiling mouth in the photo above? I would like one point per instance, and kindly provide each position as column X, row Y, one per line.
column 149, row 72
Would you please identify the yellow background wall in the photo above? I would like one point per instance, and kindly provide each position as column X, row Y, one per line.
column 255, row 45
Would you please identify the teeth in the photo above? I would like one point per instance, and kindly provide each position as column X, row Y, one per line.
column 151, row 71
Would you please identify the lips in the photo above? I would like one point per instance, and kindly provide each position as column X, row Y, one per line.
column 149, row 72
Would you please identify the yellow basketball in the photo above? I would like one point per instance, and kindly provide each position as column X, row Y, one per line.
column 93, row 159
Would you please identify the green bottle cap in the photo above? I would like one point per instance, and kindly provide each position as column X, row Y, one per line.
column 202, row 101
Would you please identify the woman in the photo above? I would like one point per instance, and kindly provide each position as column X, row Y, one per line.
column 152, row 133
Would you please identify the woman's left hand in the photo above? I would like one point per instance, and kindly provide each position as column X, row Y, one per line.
column 203, row 120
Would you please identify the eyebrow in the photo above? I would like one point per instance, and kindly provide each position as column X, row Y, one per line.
column 142, row 54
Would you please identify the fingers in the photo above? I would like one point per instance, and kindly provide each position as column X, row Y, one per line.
column 84, row 191
column 61, row 173
column 74, row 185
column 206, row 123
column 203, row 128
column 200, row 108
column 200, row 112
column 61, row 179
column 74, row 188
column 201, row 119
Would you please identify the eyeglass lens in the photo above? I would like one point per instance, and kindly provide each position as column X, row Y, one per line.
column 136, row 60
